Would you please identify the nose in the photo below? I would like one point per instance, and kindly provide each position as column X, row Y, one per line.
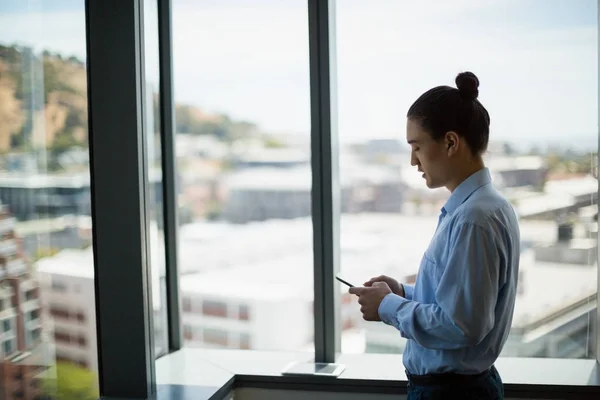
column 413, row 159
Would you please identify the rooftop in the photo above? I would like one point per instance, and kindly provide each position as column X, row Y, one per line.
column 65, row 180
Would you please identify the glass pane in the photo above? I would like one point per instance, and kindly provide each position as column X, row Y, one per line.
column 242, row 95
column 154, row 155
column 537, row 62
column 47, row 306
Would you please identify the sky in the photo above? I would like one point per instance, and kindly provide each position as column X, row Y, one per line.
column 537, row 60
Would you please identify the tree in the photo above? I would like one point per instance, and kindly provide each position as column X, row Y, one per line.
column 43, row 252
column 71, row 383
column 273, row 143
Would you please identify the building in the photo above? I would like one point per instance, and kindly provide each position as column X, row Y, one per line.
column 520, row 171
column 268, row 306
column 560, row 198
column 66, row 282
column 272, row 158
column 35, row 196
column 67, row 285
column 259, row 194
column 23, row 354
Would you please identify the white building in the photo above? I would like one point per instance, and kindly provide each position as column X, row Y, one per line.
column 68, row 304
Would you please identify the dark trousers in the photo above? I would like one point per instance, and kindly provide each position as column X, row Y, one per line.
column 486, row 386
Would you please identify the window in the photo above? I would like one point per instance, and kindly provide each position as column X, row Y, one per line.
column 243, row 313
column 542, row 152
column 59, row 286
column 59, row 313
column 31, row 295
column 242, row 115
column 8, row 347
column 214, row 309
column 80, row 317
column 7, row 325
column 188, row 333
column 44, row 159
column 187, row 304
column 61, row 337
column 154, row 175
column 245, row 343
column 216, row 337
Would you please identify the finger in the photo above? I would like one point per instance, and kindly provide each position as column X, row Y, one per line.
column 379, row 284
column 380, row 278
column 356, row 290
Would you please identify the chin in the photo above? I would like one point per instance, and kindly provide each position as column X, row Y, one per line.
column 432, row 185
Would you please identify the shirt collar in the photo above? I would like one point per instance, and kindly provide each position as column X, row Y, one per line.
column 466, row 189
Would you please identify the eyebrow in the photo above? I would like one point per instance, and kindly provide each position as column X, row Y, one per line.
column 413, row 141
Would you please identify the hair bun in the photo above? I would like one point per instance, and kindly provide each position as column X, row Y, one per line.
column 468, row 85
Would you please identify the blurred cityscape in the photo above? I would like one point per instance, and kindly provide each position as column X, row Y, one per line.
column 245, row 233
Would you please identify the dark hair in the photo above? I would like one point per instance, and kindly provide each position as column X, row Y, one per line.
column 444, row 109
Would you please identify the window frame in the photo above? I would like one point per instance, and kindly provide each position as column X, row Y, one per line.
column 119, row 225
column 118, row 164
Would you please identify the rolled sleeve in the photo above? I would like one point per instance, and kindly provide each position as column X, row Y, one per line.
column 389, row 308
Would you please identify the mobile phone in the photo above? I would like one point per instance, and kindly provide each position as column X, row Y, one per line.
column 314, row 369
column 343, row 281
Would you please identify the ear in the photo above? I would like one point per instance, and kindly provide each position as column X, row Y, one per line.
column 452, row 141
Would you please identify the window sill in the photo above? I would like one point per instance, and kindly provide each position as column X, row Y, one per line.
column 212, row 374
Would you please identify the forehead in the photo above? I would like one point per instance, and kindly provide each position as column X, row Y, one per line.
column 414, row 132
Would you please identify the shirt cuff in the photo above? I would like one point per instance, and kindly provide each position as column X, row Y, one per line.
column 389, row 307
column 408, row 291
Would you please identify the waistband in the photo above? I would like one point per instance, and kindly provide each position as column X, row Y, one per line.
column 447, row 378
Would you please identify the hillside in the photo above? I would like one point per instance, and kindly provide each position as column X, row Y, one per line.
column 49, row 110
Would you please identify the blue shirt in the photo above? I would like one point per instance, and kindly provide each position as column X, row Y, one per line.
column 458, row 315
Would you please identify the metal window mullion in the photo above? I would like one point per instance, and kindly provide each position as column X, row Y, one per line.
column 597, row 166
column 118, row 189
column 325, row 178
column 169, row 180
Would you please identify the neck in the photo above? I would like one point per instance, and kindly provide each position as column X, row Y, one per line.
column 464, row 171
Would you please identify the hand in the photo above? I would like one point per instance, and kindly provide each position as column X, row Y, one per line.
column 396, row 287
column 370, row 298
